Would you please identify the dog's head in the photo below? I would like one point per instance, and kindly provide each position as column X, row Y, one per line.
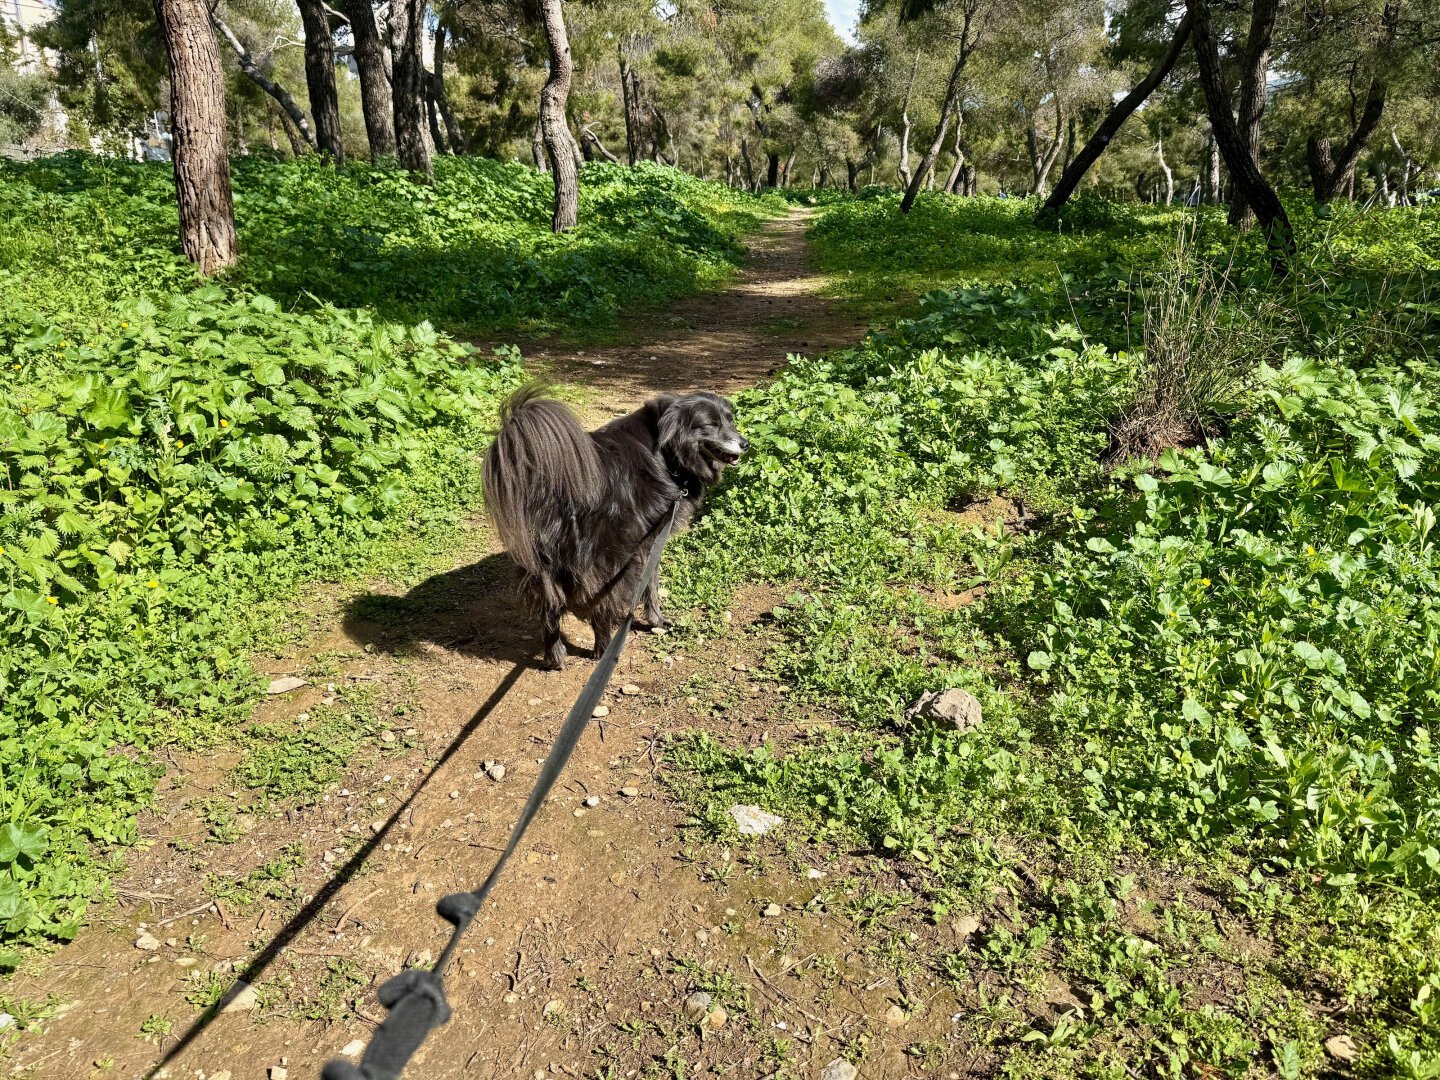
column 697, row 432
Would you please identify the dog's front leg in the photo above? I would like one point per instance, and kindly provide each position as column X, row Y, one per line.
column 554, row 643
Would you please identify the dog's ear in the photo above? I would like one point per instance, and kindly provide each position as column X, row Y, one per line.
column 663, row 418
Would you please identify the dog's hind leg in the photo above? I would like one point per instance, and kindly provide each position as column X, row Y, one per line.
column 651, row 615
column 554, row 643
column 604, row 627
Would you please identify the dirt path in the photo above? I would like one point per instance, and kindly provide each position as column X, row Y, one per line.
column 608, row 917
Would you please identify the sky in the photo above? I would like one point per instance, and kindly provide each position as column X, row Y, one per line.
column 843, row 14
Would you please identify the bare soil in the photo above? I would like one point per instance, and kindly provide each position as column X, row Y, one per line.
column 609, row 916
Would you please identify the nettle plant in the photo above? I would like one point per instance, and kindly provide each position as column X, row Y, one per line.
column 159, row 473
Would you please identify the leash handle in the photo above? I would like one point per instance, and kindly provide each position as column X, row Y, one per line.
column 415, row 998
column 417, row 1005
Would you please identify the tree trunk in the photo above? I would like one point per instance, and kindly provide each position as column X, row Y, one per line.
column 559, row 144
column 537, row 148
column 772, row 171
column 634, row 118
column 904, row 168
column 1210, row 185
column 947, row 109
column 785, row 173
column 1069, row 144
column 274, row 89
column 197, row 119
column 1254, row 69
column 1165, row 171
column 747, row 164
column 432, row 116
column 453, row 135
column 852, row 175
column 1328, row 177
column 373, row 72
column 1245, row 176
column 412, row 141
column 957, row 173
column 320, row 78
column 1110, row 126
column 590, row 139
column 1042, row 161
column 972, row 180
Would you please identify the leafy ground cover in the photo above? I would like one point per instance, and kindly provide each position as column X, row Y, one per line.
column 1204, row 802
column 473, row 253
column 176, row 458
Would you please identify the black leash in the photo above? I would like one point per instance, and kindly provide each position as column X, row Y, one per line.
column 416, row 998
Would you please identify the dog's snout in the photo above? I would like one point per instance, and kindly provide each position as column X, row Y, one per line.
column 744, row 444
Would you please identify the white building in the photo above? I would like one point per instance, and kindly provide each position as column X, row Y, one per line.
column 23, row 16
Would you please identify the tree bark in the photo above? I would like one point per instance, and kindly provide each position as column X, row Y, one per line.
column 559, row 144
column 630, row 94
column 1328, row 177
column 432, row 117
column 772, row 171
column 951, row 103
column 957, row 173
column 373, row 71
column 747, row 164
column 904, row 167
column 453, row 135
column 1042, row 161
column 1111, row 125
column 320, row 79
column 1254, row 69
column 1245, row 176
column 275, row 90
column 589, row 138
column 412, row 141
column 1165, row 171
column 197, row 119
column 1210, row 183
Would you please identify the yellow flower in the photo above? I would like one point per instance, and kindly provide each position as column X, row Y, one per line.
column 1309, row 549
column 1204, row 582
column 179, row 446
column 124, row 325
column 17, row 367
column 152, row 584
column 64, row 344
column 224, row 423
column 2, row 549
column 52, row 600
column 1172, row 614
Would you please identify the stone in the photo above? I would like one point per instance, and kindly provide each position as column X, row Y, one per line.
column 377, row 827
column 601, row 711
column 965, row 927
column 592, row 801
column 814, row 875
column 496, row 772
column 147, row 942
column 243, row 998
column 896, row 1017
column 773, row 911
column 630, row 792
column 6, row 1020
column 752, row 821
column 279, row 1072
column 535, row 701
column 223, row 1074
column 952, row 709
column 554, row 1007
column 285, row 684
column 387, row 736
column 455, row 794
column 630, row 689
column 839, row 1069
column 717, row 1017
column 1342, row 1048
column 697, row 1005
column 354, row 1048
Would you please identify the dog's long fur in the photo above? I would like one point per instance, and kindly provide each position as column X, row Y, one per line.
column 575, row 509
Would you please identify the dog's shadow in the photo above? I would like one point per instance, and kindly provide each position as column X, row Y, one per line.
column 474, row 610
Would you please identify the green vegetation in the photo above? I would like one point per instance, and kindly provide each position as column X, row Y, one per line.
column 176, row 459
column 1204, row 792
column 473, row 253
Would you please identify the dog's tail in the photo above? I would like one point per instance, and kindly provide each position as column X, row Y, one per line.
column 541, row 465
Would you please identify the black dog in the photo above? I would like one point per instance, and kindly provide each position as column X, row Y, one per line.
column 575, row 509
